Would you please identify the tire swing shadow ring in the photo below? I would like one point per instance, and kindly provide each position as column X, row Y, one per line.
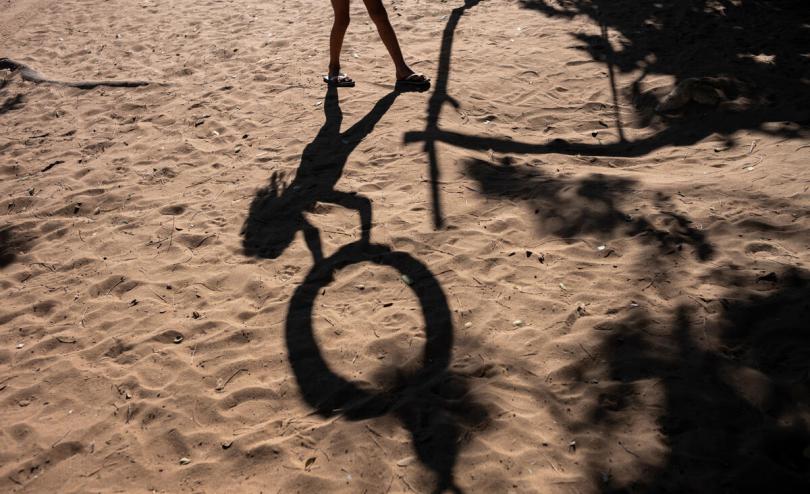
column 325, row 390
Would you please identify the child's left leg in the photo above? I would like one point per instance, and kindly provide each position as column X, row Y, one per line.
column 376, row 10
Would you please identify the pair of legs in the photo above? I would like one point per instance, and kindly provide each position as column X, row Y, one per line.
column 379, row 16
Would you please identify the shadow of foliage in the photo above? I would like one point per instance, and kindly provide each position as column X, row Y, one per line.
column 10, row 245
column 568, row 207
column 749, row 50
column 12, row 103
column 736, row 386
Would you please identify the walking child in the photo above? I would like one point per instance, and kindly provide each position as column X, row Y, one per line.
column 376, row 10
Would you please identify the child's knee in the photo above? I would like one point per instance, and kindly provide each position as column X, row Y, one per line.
column 342, row 19
column 378, row 14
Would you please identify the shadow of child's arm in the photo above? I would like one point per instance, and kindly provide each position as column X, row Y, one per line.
column 366, row 124
column 359, row 203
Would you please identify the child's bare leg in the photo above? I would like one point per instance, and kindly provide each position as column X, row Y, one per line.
column 376, row 10
column 339, row 27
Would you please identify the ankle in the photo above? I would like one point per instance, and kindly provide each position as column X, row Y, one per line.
column 403, row 71
column 334, row 69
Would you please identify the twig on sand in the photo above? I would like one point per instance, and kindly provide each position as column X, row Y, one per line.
column 625, row 448
column 194, row 413
column 116, row 285
column 60, row 439
column 221, row 385
column 655, row 278
column 46, row 265
column 160, row 297
column 200, row 182
column 31, row 75
column 206, row 286
column 204, row 239
column 102, row 467
column 5, row 381
column 586, row 351
column 407, row 484
column 375, row 433
column 171, row 235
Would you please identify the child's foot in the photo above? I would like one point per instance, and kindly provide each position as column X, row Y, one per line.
column 339, row 80
column 414, row 78
column 412, row 81
column 407, row 76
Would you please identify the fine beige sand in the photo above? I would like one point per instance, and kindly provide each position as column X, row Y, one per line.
column 565, row 291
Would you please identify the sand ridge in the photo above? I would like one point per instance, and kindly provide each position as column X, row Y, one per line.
column 623, row 288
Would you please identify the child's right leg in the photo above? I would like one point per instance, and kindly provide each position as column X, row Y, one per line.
column 341, row 8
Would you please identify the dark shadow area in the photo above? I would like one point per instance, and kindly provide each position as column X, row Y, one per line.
column 736, row 381
column 431, row 402
column 436, row 103
column 277, row 211
column 750, row 53
column 568, row 208
column 12, row 103
column 10, row 245
column 7, row 254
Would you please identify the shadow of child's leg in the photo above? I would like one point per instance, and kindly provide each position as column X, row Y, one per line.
column 312, row 236
column 359, row 203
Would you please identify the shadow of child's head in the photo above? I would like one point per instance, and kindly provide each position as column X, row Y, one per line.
column 275, row 217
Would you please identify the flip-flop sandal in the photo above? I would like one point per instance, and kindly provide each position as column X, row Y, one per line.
column 415, row 81
column 340, row 80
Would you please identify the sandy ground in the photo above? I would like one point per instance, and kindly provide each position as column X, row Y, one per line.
column 564, row 291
